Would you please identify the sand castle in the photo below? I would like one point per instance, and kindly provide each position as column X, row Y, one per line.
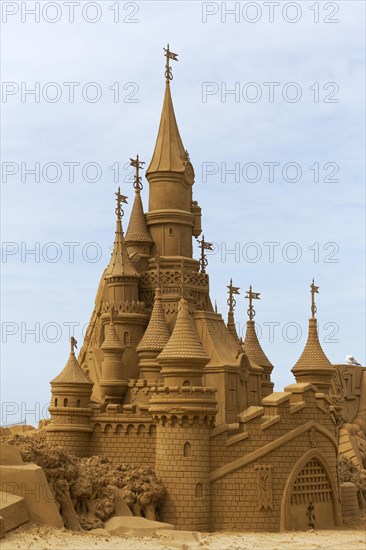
column 162, row 381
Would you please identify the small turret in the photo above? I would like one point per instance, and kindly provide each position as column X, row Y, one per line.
column 154, row 340
column 138, row 239
column 70, row 411
column 254, row 350
column 183, row 358
column 313, row 366
column 113, row 383
column 122, row 282
column 232, row 303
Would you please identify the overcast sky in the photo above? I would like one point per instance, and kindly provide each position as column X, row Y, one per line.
column 278, row 160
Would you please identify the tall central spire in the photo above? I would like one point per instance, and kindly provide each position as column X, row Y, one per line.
column 170, row 219
column 169, row 153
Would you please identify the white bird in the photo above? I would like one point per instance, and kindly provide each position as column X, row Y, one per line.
column 352, row 361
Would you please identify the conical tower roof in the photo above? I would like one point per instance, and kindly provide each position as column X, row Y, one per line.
column 157, row 333
column 253, row 349
column 137, row 228
column 184, row 342
column 72, row 373
column 313, row 356
column 169, row 153
column 111, row 340
column 120, row 264
column 231, row 326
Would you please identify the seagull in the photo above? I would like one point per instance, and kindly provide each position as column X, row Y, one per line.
column 352, row 361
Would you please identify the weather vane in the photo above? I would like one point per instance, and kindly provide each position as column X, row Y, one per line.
column 120, row 199
column 73, row 344
column 137, row 164
column 168, row 70
column 231, row 302
column 314, row 290
column 204, row 246
column 252, row 296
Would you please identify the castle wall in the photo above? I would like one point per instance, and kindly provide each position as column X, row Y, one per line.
column 254, row 464
column 239, row 501
column 124, row 440
column 74, row 442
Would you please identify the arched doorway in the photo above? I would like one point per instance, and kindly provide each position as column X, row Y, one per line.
column 309, row 500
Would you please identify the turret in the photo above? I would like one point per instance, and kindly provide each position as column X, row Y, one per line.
column 313, row 366
column 184, row 412
column 122, row 282
column 232, row 303
column 153, row 342
column 138, row 238
column 70, row 407
column 254, row 350
column 113, row 383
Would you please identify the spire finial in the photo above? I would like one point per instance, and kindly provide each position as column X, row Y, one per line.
column 137, row 164
column 120, row 199
column 252, row 296
column 168, row 70
column 204, row 246
column 231, row 300
column 215, row 306
column 73, row 344
column 314, row 290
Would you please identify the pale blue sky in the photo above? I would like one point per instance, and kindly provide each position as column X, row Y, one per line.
column 214, row 131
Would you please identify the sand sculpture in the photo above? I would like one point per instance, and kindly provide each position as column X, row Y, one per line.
column 162, row 382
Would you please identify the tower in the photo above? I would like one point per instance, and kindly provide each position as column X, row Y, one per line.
column 170, row 175
column 138, row 239
column 70, row 411
column 173, row 218
column 254, row 350
column 313, row 366
column 184, row 412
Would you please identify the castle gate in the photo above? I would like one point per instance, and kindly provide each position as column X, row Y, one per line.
column 309, row 497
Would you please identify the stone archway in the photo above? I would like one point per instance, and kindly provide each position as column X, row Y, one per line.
column 309, row 499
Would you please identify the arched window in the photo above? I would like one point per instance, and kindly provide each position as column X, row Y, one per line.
column 186, row 383
column 199, row 490
column 187, row 449
column 56, row 402
column 126, row 338
column 66, row 402
column 171, row 232
column 78, row 403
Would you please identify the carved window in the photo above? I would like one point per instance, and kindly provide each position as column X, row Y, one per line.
column 311, row 485
column 186, row 383
column 66, row 402
column 187, row 449
column 78, row 403
column 171, row 232
column 199, row 490
column 126, row 338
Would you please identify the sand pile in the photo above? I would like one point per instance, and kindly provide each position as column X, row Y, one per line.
column 88, row 490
